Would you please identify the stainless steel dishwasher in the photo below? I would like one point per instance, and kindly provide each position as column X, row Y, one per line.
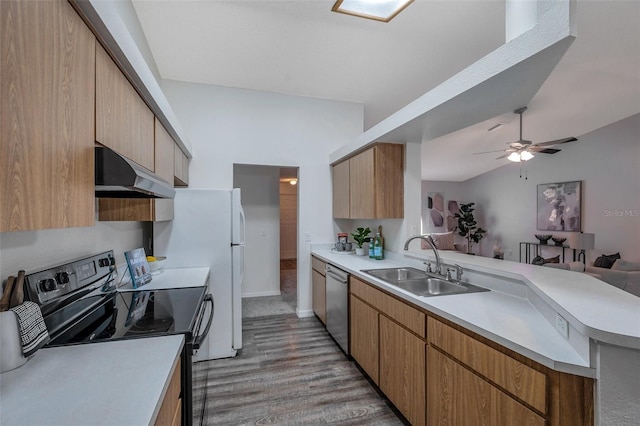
column 337, row 289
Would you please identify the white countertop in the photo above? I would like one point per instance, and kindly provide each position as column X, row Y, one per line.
column 171, row 278
column 600, row 311
column 109, row 383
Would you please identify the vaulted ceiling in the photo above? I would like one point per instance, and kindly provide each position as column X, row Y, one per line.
column 302, row 48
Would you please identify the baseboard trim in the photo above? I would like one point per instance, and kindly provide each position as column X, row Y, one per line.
column 262, row 293
column 304, row 314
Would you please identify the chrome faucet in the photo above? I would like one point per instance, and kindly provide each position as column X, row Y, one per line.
column 430, row 241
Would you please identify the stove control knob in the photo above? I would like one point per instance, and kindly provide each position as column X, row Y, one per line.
column 48, row 284
column 62, row 277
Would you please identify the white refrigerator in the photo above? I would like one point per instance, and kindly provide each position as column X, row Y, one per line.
column 208, row 231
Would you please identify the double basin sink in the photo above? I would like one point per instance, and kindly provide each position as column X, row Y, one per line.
column 422, row 283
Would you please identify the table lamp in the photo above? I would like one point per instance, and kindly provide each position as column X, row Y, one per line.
column 582, row 241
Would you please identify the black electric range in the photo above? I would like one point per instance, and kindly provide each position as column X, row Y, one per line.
column 80, row 304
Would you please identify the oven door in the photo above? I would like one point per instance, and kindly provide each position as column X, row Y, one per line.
column 199, row 371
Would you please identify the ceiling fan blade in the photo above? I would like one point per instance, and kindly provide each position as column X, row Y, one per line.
column 488, row 152
column 556, row 142
column 543, row 150
column 505, row 155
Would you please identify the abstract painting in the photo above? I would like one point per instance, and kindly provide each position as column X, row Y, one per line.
column 452, row 209
column 559, row 206
column 435, row 204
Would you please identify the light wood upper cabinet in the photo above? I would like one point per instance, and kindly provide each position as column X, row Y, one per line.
column 124, row 122
column 181, row 168
column 47, row 123
column 340, row 178
column 375, row 182
column 164, row 153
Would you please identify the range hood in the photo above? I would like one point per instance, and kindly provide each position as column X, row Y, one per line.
column 118, row 177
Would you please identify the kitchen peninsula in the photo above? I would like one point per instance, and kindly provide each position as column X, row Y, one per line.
column 518, row 318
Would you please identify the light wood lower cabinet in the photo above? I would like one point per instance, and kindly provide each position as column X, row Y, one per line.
column 364, row 337
column 438, row 373
column 171, row 409
column 456, row 396
column 319, row 289
column 47, row 122
column 402, row 370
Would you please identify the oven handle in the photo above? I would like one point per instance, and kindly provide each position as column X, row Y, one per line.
column 198, row 340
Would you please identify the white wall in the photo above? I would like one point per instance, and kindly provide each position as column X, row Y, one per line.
column 31, row 250
column 229, row 126
column 261, row 203
column 606, row 161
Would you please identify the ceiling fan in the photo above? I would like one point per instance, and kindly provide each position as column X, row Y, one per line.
column 523, row 150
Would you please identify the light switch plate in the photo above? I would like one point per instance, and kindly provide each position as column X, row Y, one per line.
column 562, row 326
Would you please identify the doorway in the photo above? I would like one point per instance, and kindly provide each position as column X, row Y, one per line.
column 270, row 279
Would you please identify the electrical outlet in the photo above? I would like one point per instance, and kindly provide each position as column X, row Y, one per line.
column 307, row 237
column 562, row 326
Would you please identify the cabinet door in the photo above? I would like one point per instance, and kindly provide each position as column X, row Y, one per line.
column 362, row 189
column 181, row 168
column 47, row 117
column 135, row 209
column 164, row 153
column 458, row 397
column 319, row 296
column 402, row 370
column 389, row 180
column 364, row 340
column 340, row 182
column 124, row 122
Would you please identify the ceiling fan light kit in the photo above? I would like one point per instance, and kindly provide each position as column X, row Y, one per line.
column 522, row 149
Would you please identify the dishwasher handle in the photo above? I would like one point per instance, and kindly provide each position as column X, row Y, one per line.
column 343, row 278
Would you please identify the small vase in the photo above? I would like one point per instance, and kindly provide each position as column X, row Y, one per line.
column 360, row 251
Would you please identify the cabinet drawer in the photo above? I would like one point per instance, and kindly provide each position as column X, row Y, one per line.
column 406, row 315
column 318, row 265
column 513, row 376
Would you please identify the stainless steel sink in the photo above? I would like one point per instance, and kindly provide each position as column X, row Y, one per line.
column 393, row 275
column 421, row 283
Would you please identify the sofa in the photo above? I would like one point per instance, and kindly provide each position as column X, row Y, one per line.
column 623, row 274
column 444, row 241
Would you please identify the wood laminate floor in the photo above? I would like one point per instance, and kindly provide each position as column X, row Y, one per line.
column 289, row 372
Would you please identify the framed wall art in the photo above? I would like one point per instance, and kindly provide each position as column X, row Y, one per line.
column 559, row 206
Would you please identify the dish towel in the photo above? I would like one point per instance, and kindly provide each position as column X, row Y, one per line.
column 33, row 331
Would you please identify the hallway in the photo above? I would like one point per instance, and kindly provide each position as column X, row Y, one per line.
column 285, row 303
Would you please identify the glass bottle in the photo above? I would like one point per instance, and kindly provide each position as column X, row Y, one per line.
column 378, row 251
column 371, row 249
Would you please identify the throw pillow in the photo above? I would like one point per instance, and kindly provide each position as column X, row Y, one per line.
column 625, row 265
column 444, row 241
column 606, row 260
column 576, row 266
column 539, row 260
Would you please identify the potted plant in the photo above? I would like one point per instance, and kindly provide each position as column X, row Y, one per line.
column 360, row 237
column 467, row 225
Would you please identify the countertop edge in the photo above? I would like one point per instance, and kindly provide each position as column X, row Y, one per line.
column 582, row 370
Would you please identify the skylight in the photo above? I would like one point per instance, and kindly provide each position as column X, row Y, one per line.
column 380, row 10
